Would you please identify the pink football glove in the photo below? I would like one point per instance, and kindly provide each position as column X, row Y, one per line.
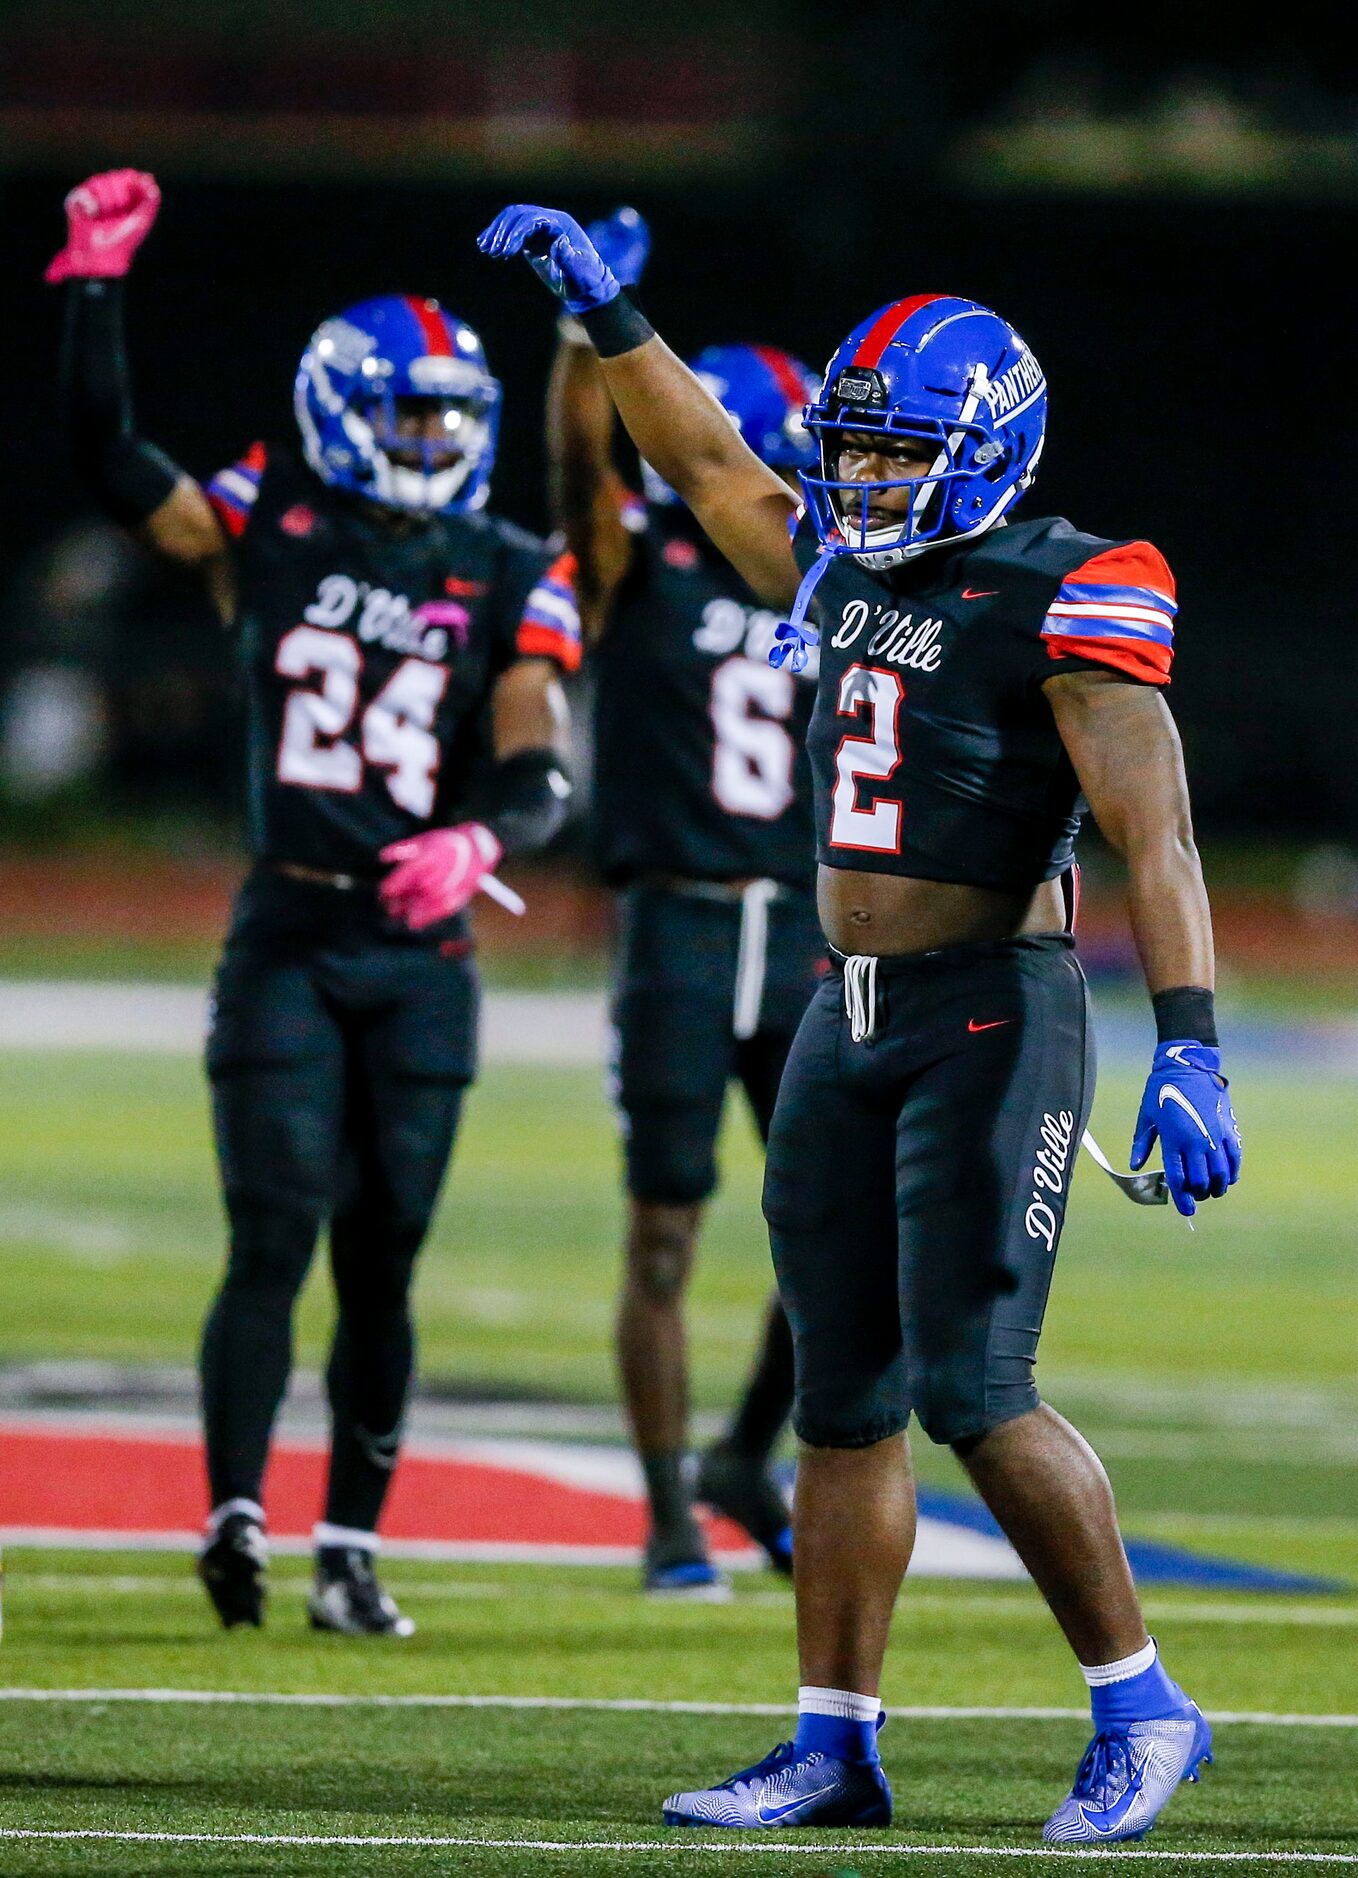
column 108, row 217
column 437, row 873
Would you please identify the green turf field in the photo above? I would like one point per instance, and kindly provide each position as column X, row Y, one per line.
column 582, row 1776
column 1214, row 1370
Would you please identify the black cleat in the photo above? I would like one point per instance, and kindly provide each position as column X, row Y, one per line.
column 741, row 1486
column 232, row 1567
column 347, row 1598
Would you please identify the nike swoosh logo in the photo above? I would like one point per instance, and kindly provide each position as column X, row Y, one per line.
column 973, row 1026
column 108, row 234
column 1108, row 1823
column 1170, row 1094
column 979, row 593
column 770, row 1816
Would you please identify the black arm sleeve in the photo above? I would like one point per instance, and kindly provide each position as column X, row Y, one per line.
column 129, row 476
column 524, row 799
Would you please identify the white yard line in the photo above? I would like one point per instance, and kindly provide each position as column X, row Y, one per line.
column 619, row 1705
column 1284, row 1615
column 682, row 1842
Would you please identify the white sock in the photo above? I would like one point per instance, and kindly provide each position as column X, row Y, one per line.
column 350, row 1537
column 842, row 1703
column 251, row 1508
column 1099, row 1675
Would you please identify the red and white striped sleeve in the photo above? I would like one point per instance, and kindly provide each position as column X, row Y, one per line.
column 1117, row 609
column 233, row 492
column 550, row 625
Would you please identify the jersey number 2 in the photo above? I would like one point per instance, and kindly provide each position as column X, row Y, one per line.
column 876, row 829
column 395, row 734
column 753, row 757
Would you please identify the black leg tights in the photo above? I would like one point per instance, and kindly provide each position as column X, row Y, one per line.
column 246, row 1353
column 372, row 1254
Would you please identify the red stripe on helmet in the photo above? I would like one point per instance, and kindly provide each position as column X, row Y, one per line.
column 784, row 373
column 886, row 326
column 436, row 340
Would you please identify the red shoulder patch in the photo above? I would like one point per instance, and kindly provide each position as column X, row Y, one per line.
column 1134, row 564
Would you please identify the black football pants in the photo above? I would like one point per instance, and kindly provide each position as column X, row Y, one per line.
column 917, row 1175
column 710, row 986
column 338, row 1054
column 704, row 994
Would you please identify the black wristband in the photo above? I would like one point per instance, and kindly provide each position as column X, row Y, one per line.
column 621, row 326
column 1185, row 1011
column 524, row 799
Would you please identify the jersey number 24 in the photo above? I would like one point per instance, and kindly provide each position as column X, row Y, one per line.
column 395, row 733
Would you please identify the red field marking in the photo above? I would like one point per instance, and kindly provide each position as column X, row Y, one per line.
column 54, row 1479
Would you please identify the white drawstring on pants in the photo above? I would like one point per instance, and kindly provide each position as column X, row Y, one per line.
column 860, row 996
column 752, row 956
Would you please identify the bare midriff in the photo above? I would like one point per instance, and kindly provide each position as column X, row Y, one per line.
column 884, row 913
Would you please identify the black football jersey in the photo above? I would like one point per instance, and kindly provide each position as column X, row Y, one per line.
column 369, row 654
column 934, row 749
column 700, row 745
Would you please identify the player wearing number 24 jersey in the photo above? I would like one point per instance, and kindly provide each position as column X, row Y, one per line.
column 702, row 820
column 400, row 652
column 978, row 676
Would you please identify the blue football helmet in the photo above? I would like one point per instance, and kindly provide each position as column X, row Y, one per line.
column 372, row 366
column 764, row 392
column 952, row 374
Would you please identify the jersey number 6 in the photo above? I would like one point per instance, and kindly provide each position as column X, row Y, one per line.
column 395, row 734
column 874, row 758
column 752, row 757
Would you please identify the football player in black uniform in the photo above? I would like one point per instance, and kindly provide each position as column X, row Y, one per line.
column 387, row 629
column 702, row 813
column 978, row 676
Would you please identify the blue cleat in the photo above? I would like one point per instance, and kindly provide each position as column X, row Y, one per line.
column 1126, row 1778
column 789, row 1789
column 694, row 1580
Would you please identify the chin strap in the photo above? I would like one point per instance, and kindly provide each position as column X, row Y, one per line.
column 794, row 639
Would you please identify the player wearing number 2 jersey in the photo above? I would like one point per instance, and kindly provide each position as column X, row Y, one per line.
column 977, row 677
column 702, row 816
column 399, row 651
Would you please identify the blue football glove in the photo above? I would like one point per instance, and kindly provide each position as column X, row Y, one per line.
column 559, row 252
column 623, row 243
column 1186, row 1104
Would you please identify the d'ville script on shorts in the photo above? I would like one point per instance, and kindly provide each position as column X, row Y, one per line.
column 1049, row 1176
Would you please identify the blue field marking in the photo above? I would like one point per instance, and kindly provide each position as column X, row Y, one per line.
column 1152, row 1563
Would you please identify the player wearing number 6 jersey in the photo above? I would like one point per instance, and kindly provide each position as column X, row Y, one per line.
column 977, row 677
column 399, row 652
column 702, row 816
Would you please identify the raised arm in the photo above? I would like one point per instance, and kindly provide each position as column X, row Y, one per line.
column 1125, row 749
column 677, row 425
column 108, row 217
column 588, row 495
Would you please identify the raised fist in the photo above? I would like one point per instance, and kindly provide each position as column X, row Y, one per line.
column 107, row 218
column 557, row 249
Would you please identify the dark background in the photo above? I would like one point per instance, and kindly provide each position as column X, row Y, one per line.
column 1185, row 293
